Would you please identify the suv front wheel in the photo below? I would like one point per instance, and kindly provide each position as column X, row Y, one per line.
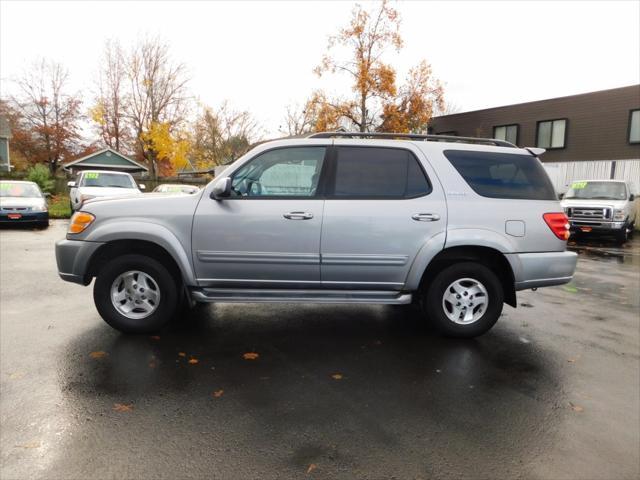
column 464, row 300
column 135, row 294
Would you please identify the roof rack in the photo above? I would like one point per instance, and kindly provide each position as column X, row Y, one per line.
column 414, row 136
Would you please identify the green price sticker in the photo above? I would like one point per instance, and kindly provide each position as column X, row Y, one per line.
column 92, row 175
column 578, row 185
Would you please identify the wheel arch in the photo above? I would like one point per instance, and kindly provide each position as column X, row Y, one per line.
column 115, row 248
column 487, row 256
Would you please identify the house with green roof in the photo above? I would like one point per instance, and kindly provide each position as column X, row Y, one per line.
column 106, row 159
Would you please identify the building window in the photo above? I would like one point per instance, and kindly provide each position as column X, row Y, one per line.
column 634, row 126
column 552, row 134
column 508, row 133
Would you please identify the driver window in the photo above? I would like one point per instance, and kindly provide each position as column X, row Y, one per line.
column 293, row 171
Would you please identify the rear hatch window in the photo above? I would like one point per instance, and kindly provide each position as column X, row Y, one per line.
column 503, row 175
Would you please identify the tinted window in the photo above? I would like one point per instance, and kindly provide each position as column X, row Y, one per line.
column 378, row 172
column 282, row 172
column 503, row 175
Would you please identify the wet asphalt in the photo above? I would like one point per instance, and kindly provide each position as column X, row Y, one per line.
column 553, row 391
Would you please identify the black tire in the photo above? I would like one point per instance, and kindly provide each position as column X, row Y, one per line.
column 43, row 225
column 432, row 301
column 168, row 287
column 622, row 235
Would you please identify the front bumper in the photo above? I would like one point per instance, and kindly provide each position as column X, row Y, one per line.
column 602, row 227
column 543, row 269
column 72, row 257
column 26, row 217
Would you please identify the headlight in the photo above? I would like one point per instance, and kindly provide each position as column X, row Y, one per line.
column 619, row 215
column 40, row 208
column 80, row 221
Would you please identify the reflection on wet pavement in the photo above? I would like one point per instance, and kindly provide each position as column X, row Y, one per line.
column 287, row 391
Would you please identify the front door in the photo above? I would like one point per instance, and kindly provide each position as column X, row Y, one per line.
column 382, row 206
column 267, row 234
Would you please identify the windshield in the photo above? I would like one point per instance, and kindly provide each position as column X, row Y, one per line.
column 15, row 189
column 102, row 179
column 597, row 191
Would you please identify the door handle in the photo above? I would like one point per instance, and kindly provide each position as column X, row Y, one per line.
column 298, row 216
column 425, row 217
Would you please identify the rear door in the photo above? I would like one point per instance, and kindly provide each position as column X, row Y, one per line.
column 382, row 205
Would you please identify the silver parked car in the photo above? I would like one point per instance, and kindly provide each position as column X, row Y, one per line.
column 101, row 183
column 601, row 207
column 456, row 225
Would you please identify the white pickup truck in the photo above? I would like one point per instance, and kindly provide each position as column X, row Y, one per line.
column 99, row 183
column 601, row 207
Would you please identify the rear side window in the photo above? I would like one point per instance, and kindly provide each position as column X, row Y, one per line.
column 368, row 172
column 503, row 175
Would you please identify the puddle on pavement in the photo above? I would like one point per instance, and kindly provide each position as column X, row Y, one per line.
column 608, row 250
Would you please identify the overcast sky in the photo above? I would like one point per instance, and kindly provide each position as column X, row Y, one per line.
column 260, row 55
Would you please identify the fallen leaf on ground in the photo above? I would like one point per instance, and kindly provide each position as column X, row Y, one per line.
column 571, row 360
column 576, row 408
column 98, row 354
column 218, row 393
column 155, row 337
column 337, row 376
column 34, row 444
column 311, row 468
column 193, row 361
column 121, row 407
column 250, row 356
column 182, row 354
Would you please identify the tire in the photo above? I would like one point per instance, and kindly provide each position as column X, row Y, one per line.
column 43, row 225
column 156, row 292
column 476, row 280
column 623, row 235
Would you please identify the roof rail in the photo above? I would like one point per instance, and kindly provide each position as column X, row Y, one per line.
column 414, row 136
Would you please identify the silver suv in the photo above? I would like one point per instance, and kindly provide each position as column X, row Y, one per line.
column 455, row 225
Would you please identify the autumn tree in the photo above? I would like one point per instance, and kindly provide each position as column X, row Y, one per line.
column 411, row 110
column 171, row 148
column 377, row 103
column 47, row 114
column 222, row 135
column 317, row 114
column 158, row 96
column 109, row 112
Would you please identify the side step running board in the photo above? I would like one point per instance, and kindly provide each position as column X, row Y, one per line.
column 236, row 295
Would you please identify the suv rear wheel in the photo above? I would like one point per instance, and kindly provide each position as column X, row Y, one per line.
column 464, row 300
column 135, row 294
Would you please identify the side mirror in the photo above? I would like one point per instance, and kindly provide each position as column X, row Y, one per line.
column 632, row 197
column 47, row 195
column 142, row 186
column 71, row 184
column 221, row 189
column 561, row 196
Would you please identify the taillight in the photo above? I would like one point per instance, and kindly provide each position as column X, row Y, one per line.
column 558, row 223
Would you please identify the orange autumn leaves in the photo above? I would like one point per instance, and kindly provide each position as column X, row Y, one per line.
column 378, row 102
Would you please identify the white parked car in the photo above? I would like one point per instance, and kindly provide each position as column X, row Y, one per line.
column 99, row 183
